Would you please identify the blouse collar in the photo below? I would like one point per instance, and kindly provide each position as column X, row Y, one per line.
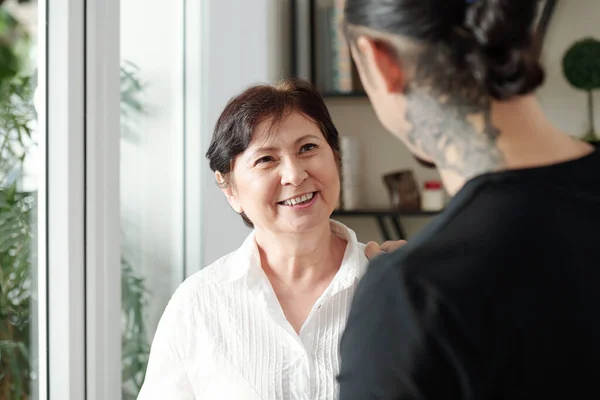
column 245, row 262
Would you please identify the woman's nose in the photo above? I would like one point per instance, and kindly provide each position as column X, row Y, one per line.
column 293, row 173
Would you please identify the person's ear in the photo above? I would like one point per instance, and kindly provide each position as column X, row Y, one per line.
column 229, row 191
column 380, row 61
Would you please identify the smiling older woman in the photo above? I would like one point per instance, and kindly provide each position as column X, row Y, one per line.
column 265, row 321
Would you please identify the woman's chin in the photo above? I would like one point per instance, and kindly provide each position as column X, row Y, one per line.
column 305, row 223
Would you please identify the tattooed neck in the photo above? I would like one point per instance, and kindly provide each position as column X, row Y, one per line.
column 450, row 118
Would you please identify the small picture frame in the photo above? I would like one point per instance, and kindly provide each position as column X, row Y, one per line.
column 544, row 16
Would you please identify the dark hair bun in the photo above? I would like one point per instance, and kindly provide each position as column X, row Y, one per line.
column 502, row 55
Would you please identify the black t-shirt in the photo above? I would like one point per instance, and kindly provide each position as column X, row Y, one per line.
column 497, row 298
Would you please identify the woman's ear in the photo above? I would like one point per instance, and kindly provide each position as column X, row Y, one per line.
column 229, row 192
column 381, row 63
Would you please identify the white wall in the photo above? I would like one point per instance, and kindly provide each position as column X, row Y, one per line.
column 244, row 47
column 564, row 105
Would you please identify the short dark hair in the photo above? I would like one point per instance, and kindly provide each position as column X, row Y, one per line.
column 261, row 103
column 493, row 39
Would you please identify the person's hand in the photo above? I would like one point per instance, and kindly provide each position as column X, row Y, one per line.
column 373, row 249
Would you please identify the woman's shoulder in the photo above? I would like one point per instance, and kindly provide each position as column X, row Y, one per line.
column 220, row 271
column 363, row 261
column 193, row 308
column 192, row 304
column 207, row 281
column 344, row 232
column 361, row 246
column 355, row 250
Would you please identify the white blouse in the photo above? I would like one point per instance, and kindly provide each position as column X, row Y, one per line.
column 223, row 334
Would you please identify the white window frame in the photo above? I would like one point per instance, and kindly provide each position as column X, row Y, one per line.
column 65, row 197
column 40, row 389
column 195, row 101
column 79, row 204
column 103, row 217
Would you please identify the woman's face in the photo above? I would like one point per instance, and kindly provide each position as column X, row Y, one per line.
column 287, row 180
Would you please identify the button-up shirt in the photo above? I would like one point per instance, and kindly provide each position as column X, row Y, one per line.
column 224, row 335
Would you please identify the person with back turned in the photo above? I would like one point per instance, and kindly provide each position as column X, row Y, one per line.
column 497, row 298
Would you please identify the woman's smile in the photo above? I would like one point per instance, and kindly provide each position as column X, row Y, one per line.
column 300, row 202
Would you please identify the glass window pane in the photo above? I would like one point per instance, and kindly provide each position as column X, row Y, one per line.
column 152, row 177
column 20, row 175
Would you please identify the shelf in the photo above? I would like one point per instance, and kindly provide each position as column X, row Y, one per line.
column 384, row 213
column 341, row 95
column 381, row 215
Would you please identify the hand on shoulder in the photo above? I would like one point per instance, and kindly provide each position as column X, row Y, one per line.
column 373, row 249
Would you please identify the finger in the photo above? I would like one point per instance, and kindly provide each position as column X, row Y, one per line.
column 391, row 245
column 372, row 250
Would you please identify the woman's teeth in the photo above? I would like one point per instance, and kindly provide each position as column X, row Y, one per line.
column 299, row 200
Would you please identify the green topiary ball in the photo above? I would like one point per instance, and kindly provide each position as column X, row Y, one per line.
column 581, row 64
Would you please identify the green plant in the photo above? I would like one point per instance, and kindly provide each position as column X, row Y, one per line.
column 135, row 345
column 15, row 292
column 17, row 217
column 581, row 67
column 17, row 117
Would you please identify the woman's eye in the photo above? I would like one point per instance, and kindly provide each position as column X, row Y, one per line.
column 263, row 160
column 308, row 147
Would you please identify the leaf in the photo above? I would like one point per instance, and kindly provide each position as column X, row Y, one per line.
column 16, row 374
column 10, row 193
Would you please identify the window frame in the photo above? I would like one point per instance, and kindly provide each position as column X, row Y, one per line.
column 64, row 201
column 80, row 272
column 102, row 200
column 195, row 123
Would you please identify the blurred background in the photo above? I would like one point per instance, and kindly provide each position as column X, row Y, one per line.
column 179, row 64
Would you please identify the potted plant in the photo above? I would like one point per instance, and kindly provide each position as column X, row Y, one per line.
column 581, row 67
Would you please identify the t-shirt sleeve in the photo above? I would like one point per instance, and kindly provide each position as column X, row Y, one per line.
column 401, row 341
